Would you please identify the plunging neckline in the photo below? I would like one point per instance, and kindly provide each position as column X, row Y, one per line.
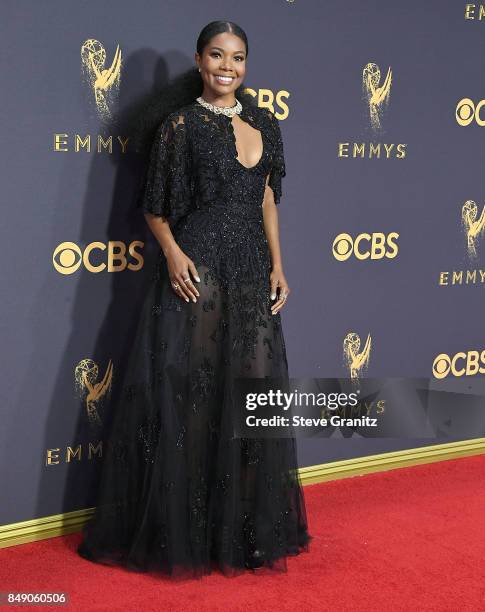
column 233, row 134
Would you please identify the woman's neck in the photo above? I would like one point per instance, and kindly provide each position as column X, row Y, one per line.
column 227, row 100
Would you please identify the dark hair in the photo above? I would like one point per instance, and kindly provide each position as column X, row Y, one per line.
column 185, row 88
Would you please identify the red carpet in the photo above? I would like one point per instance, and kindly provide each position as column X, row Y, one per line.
column 407, row 539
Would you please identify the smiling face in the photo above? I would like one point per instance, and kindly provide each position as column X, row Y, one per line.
column 222, row 68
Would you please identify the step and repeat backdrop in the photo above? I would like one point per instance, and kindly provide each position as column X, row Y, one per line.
column 381, row 107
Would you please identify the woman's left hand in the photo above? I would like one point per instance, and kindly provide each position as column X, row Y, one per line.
column 278, row 281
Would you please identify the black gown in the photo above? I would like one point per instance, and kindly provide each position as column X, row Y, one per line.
column 179, row 494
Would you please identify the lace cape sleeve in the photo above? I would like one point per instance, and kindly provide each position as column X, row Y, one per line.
column 278, row 169
column 166, row 188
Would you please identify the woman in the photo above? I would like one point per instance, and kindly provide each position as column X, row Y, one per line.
column 180, row 494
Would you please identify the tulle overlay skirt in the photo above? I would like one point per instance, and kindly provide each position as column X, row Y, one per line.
column 179, row 494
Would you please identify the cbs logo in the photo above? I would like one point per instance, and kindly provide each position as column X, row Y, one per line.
column 461, row 364
column 466, row 112
column 68, row 257
column 365, row 246
column 267, row 99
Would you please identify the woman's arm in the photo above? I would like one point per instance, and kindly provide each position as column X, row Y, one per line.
column 166, row 197
column 277, row 277
column 162, row 232
column 178, row 263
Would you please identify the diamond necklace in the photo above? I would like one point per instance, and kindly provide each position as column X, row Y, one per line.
column 229, row 111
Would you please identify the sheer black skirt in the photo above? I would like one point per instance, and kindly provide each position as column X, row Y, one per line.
column 179, row 494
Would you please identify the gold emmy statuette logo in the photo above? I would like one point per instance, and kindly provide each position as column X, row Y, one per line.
column 354, row 360
column 472, row 226
column 377, row 97
column 103, row 81
column 86, row 375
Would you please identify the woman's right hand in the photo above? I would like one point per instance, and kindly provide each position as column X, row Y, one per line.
column 179, row 266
